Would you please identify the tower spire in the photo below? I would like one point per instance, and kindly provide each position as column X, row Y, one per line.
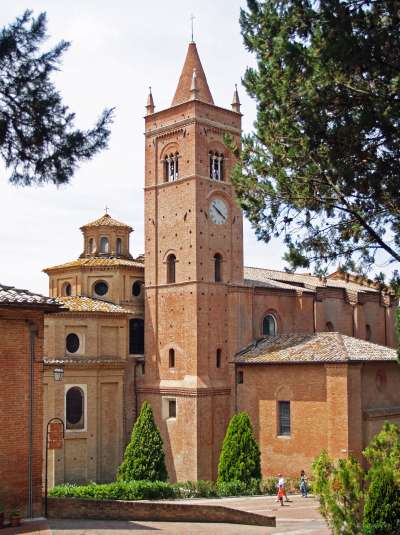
column 183, row 92
column 235, row 101
column 150, row 103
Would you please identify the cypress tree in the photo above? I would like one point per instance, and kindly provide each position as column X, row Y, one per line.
column 144, row 457
column 240, row 455
column 382, row 503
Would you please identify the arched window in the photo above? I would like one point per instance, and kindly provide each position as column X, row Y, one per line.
column 329, row 326
column 104, row 245
column 216, row 166
column 217, row 267
column 72, row 343
column 119, row 246
column 218, row 358
column 137, row 288
column 171, row 271
column 67, row 290
column 136, row 336
column 171, row 167
column 171, row 358
column 269, row 325
column 75, row 408
column 368, row 332
column 90, row 246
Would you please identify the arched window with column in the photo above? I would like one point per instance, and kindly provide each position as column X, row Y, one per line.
column 269, row 326
column 171, row 269
column 171, row 167
column 216, row 165
column 136, row 336
column 217, row 267
column 119, row 246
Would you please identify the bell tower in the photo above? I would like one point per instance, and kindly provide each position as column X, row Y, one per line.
column 193, row 259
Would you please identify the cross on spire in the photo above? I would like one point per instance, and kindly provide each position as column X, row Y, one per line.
column 106, row 209
column 192, row 17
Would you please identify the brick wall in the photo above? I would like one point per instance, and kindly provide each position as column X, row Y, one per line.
column 14, row 409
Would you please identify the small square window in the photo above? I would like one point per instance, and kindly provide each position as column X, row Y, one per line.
column 172, row 408
column 284, row 418
column 240, row 377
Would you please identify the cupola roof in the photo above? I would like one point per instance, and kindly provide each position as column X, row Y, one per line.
column 106, row 221
column 184, row 90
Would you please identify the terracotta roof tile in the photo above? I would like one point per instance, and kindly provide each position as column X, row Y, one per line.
column 15, row 296
column 316, row 347
column 98, row 262
column 106, row 221
column 79, row 303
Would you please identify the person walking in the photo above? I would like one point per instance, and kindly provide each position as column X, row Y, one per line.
column 281, row 489
column 303, row 484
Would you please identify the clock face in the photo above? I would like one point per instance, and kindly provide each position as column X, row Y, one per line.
column 218, row 211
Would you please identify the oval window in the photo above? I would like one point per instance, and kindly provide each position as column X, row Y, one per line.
column 137, row 288
column 101, row 288
column 72, row 343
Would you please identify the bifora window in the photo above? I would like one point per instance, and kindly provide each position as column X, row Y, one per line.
column 72, row 343
column 101, row 288
column 137, row 288
column 75, row 408
column 269, row 325
column 284, row 418
column 136, row 336
column 171, row 268
column 171, row 167
column 216, row 166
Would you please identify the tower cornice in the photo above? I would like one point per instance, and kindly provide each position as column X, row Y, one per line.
column 176, row 128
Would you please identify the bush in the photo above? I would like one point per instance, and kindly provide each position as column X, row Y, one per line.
column 382, row 503
column 120, row 490
column 144, row 457
column 269, row 486
column 238, row 488
column 240, row 455
column 197, row 489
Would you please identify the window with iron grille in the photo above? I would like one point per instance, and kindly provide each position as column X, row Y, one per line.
column 284, row 417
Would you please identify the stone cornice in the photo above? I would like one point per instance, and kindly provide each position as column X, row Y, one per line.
column 177, row 128
column 184, row 392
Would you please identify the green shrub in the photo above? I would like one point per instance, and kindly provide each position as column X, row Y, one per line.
column 240, row 455
column 144, row 457
column 269, row 486
column 120, row 490
column 382, row 503
column 197, row 489
column 238, row 488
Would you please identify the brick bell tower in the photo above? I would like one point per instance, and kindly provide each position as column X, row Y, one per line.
column 193, row 260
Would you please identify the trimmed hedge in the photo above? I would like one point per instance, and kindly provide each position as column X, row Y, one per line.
column 160, row 490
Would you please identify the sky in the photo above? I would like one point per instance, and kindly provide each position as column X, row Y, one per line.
column 118, row 49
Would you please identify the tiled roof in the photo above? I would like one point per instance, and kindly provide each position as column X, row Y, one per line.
column 14, row 296
column 316, row 347
column 304, row 279
column 269, row 283
column 97, row 262
column 87, row 304
column 106, row 221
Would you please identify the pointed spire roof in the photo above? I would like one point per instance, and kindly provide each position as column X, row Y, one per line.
column 150, row 103
column 236, row 101
column 106, row 221
column 183, row 91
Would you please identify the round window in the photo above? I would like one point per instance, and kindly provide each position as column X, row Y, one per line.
column 72, row 343
column 137, row 288
column 101, row 288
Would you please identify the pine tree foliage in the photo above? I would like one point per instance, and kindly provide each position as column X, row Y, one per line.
column 240, row 454
column 144, row 457
column 382, row 503
column 322, row 168
column 38, row 141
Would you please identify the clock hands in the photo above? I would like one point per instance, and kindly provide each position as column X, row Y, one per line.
column 219, row 211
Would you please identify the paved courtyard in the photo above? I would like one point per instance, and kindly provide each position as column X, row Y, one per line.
column 299, row 517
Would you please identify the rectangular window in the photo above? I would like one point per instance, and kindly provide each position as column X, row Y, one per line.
column 240, row 377
column 284, row 418
column 172, row 408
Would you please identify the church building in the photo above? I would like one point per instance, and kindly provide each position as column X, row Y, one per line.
column 310, row 359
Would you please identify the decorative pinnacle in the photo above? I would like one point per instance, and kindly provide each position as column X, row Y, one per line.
column 194, row 89
column 192, row 17
column 236, row 101
column 150, row 103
